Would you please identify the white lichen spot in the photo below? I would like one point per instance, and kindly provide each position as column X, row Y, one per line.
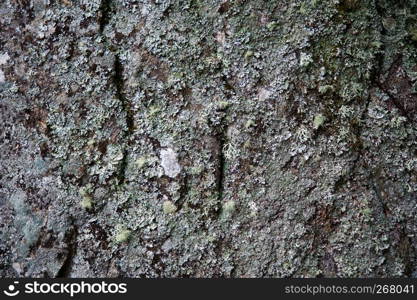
column 221, row 37
column 17, row 267
column 169, row 162
column 145, row 10
column 264, row 94
column 376, row 113
column 3, row 60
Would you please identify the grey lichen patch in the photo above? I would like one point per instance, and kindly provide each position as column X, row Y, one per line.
column 4, row 57
column 28, row 224
column 3, row 60
column 169, row 162
column 169, row 207
column 2, row 77
column 248, row 54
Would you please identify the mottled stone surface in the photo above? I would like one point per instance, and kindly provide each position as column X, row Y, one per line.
column 218, row 138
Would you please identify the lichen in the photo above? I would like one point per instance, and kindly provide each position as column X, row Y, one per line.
column 228, row 208
column 122, row 236
column 318, row 121
column 241, row 138
column 169, row 207
column 169, row 162
column 87, row 202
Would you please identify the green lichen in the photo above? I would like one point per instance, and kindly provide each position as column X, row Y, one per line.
column 223, row 104
column 248, row 54
column 228, row 208
column 323, row 89
column 250, row 123
column 142, row 162
column 122, row 236
column 169, row 207
column 86, row 202
column 272, row 26
column 318, row 121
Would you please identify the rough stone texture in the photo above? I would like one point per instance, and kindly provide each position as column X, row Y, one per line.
column 215, row 138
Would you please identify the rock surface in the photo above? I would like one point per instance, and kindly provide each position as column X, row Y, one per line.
column 233, row 138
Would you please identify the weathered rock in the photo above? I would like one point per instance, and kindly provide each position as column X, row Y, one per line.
column 208, row 138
